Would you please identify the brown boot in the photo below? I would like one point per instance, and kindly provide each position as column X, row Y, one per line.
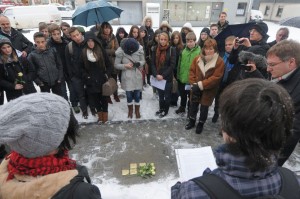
column 137, row 112
column 116, row 97
column 100, row 117
column 130, row 111
column 104, row 117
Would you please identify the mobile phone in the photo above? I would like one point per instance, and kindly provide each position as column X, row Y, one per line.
column 238, row 41
column 245, row 67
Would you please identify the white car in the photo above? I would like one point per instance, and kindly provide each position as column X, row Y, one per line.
column 65, row 12
column 256, row 15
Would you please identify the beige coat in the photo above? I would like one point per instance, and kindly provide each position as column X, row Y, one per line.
column 28, row 187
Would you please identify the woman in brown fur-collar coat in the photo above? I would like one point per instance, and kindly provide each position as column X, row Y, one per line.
column 206, row 73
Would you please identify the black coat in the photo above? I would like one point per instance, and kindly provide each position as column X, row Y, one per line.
column 47, row 66
column 78, row 189
column 18, row 40
column 292, row 85
column 73, row 59
column 167, row 69
column 60, row 48
column 8, row 76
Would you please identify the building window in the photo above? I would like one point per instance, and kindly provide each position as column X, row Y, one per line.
column 241, row 9
column 267, row 10
column 279, row 11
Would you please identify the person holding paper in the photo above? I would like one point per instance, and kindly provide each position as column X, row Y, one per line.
column 257, row 117
column 163, row 63
column 205, row 75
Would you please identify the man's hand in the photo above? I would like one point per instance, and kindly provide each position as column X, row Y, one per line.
column 159, row 77
column 24, row 54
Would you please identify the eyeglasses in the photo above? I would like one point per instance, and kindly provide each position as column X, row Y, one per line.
column 274, row 64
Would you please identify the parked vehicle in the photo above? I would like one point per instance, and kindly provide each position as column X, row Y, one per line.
column 3, row 7
column 27, row 17
column 256, row 15
column 65, row 12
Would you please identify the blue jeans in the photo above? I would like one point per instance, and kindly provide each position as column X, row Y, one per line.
column 133, row 95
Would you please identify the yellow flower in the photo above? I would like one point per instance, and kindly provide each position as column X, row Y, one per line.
column 20, row 74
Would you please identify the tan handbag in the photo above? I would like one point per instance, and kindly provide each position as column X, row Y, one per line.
column 109, row 87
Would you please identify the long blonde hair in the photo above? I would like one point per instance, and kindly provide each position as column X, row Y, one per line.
column 14, row 56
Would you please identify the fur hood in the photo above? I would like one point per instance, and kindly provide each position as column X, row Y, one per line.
column 259, row 60
column 145, row 19
column 165, row 24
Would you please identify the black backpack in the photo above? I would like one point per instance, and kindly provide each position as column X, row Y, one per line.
column 218, row 188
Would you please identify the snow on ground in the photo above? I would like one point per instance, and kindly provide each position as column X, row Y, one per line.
column 149, row 104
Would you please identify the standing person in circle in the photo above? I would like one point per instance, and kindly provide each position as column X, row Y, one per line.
column 163, row 63
column 96, row 69
column 130, row 59
column 205, row 75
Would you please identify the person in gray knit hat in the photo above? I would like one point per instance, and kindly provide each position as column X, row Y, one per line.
column 39, row 128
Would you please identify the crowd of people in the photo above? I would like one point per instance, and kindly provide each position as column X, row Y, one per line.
column 68, row 58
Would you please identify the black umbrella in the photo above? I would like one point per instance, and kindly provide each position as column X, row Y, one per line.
column 238, row 30
column 293, row 21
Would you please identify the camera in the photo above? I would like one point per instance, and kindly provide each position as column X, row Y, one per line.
column 238, row 41
column 245, row 67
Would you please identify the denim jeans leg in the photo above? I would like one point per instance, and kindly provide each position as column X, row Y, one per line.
column 137, row 94
column 129, row 95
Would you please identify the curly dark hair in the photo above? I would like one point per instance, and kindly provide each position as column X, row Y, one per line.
column 258, row 114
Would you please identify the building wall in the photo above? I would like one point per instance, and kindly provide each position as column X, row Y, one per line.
column 288, row 10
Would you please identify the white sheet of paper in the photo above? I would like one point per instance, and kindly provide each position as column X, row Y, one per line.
column 158, row 84
column 187, row 87
column 19, row 53
column 192, row 162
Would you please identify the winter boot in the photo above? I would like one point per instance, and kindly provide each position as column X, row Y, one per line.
column 104, row 117
column 109, row 100
column 199, row 128
column 130, row 111
column 165, row 112
column 161, row 108
column 214, row 119
column 85, row 114
column 191, row 124
column 181, row 109
column 137, row 112
column 100, row 117
column 116, row 97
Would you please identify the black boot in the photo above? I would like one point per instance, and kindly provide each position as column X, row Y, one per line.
column 191, row 124
column 199, row 128
column 181, row 109
column 214, row 119
column 165, row 112
column 161, row 108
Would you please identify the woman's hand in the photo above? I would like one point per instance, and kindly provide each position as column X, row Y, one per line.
column 128, row 65
column 18, row 86
column 159, row 77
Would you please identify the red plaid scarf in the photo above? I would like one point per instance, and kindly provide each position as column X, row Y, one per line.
column 38, row 166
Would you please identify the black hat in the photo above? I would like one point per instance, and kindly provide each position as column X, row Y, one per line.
column 206, row 30
column 261, row 27
column 131, row 46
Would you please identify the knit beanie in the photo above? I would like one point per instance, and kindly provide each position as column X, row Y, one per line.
column 34, row 125
column 206, row 30
column 131, row 46
column 261, row 27
column 4, row 40
column 188, row 25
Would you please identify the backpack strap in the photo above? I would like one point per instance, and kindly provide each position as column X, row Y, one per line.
column 290, row 187
column 216, row 187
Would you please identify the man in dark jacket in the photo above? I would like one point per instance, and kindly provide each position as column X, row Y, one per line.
column 18, row 40
column 284, row 65
column 47, row 65
column 73, row 55
column 59, row 43
column 282, row 34
column 256, row 44
column 222, row 23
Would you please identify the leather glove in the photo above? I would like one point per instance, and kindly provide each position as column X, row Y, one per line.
column 136, row 64
column 195, row 89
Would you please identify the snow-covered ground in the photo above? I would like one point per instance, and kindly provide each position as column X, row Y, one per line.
column 149, row 104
